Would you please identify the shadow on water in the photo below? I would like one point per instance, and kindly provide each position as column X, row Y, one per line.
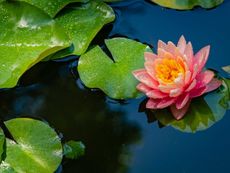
column 78, row 114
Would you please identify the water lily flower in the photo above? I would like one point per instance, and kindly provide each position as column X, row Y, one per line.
column 174, row 76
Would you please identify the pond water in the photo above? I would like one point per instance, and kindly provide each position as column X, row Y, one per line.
column 118, row 138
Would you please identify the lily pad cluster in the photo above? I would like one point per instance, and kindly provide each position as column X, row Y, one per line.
column 34, row 147
column 34, row 30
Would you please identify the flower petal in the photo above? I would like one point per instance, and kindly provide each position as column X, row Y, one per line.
column 195, row 71
column 161, row 44
column 179, row 113
column 175, row 92
column 182, row 100
column 145, row 78
column 159, row 103
column 181, row 44
column 166, row 88
column 143, row 88
column 189, row 55
column 161, row 52
column 191, row 86
column 171, row 48
column 201, row 57
column 205, row 77
column 156, row 94
column 196, row 92
column 151, row 104
column 188, row 75
column 163, row 103
column 149, row 66
column 214, row 84
column 179, row 81
column 150, row 56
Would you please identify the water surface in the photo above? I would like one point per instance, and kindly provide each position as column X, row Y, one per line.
column 118, row 138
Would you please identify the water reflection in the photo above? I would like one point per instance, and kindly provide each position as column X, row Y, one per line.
column 78, row 114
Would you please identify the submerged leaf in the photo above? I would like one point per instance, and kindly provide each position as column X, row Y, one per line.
column 38, row 148
column 27, row 37
column 114, row 77
column 83, row 23
column 202, row 114
column 51, row 7
column 188, row 4
column 74, row 150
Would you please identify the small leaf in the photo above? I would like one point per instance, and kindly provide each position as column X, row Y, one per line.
column 202, row 114
column 51, row 7
column 38, row 148
column 83, row 23
column 226, row 69
column 188, row 4
column 27, row 37
column 114, row 77
column 225, row 101
column 74, row 150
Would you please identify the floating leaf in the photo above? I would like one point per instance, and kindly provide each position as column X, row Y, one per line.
column 38, row 148
column 226, row 69
column 202, row 114
column 225, row 101
column 51, row 7
column 83, row 23
column 112, row 0
column 114, row 77
column 2, row 141
column 74, row 150
column 188, row 4
column 60, row 54
column 27, row 37
column 6, row 168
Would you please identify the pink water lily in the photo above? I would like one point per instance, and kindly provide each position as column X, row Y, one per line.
column 175, row 76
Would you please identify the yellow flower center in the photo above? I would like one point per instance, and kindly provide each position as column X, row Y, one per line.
column 168, row 69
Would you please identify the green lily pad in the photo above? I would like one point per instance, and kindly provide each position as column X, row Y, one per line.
column 37, row 149
column 74, row 149
column 188, row 4
column 226, row 69
column 225, row 101
column 82, row 24
column 2, row 141
column 202, row 114
column 51, row 7
column 112, row 0
column 113, row 76
column 27, row 37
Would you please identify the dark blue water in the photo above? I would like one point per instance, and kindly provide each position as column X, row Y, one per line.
column 118, row 138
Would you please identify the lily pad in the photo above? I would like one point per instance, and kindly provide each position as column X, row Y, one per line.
column 225, row 101
column 27, row 37
column 113, row 76
column 82, row 24
column 37, row 148
column 188, row 4
column 2, row 141
column 202, row 114
column 51, row 7
column 112, row 0
column 226, row 69
column 74, row 149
